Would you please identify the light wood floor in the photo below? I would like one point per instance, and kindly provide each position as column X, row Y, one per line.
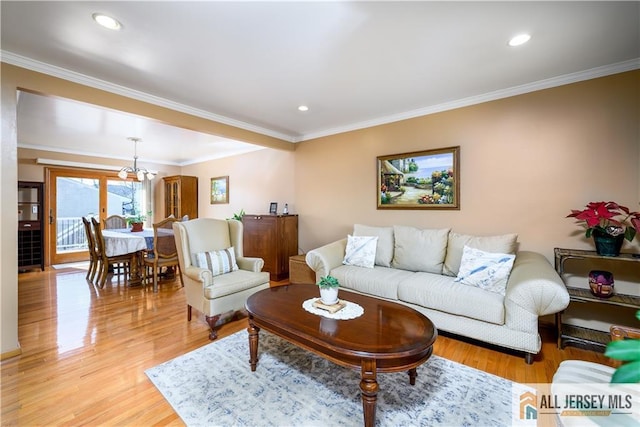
column 85, row 350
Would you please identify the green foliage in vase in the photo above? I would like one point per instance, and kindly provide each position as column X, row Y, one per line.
column 328, row 282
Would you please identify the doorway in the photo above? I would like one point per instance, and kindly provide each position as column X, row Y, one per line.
column 73, row 194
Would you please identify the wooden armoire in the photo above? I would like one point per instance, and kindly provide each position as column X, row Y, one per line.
column 181, row 196
column 274, row 238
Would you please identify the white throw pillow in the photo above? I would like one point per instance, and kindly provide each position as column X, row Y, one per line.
column 361, row 251
column 486, row 270
column 419, row 250
column 505, row 243
column 218, row 262
column 384, row 249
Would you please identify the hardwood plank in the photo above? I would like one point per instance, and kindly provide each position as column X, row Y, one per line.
column 85, row 350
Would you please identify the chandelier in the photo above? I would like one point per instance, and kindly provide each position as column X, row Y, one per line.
column 140, row 173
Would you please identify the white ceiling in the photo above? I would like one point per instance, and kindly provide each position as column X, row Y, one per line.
column 250, row 64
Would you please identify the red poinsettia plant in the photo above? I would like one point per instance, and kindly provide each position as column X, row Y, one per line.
column 610, row 218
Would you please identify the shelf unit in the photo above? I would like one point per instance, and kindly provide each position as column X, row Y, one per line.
column 584, row 337
column 30, row 226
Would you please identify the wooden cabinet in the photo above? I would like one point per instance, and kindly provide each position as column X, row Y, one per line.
column 30, row 226
column 181, row 196
column 274, row 238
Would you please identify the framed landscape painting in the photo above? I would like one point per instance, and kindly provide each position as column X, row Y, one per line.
column 220, row 190
column 420, row 180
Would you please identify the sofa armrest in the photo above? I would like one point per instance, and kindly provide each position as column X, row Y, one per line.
column 325, row 258
column 250, row 264
column 535, row 286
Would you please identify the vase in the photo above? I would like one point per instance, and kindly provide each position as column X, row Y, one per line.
column 606, row 244
column 601, row 283
column 136, row 226
column 329, row 296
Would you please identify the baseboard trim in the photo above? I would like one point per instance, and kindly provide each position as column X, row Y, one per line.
column 10, row 354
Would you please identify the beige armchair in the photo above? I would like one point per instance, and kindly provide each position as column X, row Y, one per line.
column 224, row 293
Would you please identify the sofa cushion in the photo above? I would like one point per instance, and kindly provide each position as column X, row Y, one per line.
column 360, row 251
column 419, row 250
column 441, row 293
column 377, row 281
column 384, row 249
column 234, row 282
column 485, row 270
column 218, row 262
column 506, row 244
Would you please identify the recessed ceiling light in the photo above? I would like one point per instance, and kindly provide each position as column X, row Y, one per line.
column 303, row 108
column 106, row 21
column 519, row 39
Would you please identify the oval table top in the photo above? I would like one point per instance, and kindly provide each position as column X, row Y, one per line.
column 396, row 336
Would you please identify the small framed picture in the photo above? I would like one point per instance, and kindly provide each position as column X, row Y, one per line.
column 273, row 208
column 220, row 190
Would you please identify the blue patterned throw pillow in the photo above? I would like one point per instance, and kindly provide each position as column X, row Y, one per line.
column 218, row 262
column 486, row 270
column 361, row 251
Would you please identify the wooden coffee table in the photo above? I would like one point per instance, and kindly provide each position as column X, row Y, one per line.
column 388, row 337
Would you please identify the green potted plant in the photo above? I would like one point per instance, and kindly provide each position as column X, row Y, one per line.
column 136, row 221
column 328, row 290
column 609, row 224
column 238, row 216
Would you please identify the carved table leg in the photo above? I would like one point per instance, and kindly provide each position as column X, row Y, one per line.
column 413, row 373
column 253, row 344
column 135, row 278
column 369, row 388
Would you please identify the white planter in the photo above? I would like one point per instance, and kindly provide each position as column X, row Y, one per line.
column 329, row 296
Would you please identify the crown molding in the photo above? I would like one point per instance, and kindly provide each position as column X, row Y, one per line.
column 24, row 62
column 592, row 73
column 63, row 73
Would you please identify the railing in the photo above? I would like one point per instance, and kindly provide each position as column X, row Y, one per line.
column 70, row 235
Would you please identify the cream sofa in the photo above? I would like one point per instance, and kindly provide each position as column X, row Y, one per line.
column 419, row 268
column 224, row 293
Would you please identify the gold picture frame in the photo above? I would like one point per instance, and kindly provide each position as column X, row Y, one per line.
column 219, row 190
column 427, row 179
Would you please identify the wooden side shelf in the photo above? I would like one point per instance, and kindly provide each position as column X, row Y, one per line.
column 584, row 337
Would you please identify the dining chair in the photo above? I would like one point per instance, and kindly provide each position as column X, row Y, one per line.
column 163, row 254
column 119, row 262
column 115, row 221
column 93, row 252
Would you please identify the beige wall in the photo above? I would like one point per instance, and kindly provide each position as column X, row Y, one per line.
column 525, row 162
column 255, row 180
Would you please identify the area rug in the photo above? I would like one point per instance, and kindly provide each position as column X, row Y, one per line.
column 214, row 386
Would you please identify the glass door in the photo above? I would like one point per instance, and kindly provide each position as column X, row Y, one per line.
column 74, row 194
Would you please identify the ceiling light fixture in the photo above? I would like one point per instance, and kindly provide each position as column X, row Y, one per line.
column 140, row 173
column 106, row 21
column 519, row 40
column 303, row 108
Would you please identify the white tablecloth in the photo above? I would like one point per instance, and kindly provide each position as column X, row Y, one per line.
column 124, row 242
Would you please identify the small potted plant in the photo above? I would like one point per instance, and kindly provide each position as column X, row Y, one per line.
column 328, row 290
column 136, row 222
column 609, row 224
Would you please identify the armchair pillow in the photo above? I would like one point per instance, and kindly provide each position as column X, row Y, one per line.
column 360, row 251
column 485, row 270
column 218, row 262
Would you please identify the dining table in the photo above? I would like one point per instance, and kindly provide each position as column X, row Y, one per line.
column 122, row 241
